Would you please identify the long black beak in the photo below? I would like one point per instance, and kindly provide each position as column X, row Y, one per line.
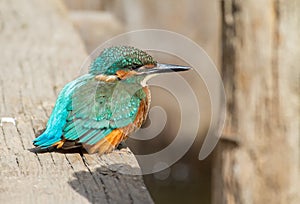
column 163, row 68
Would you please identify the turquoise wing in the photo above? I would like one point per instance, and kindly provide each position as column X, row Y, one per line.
column 97, row 108
column 59, row 114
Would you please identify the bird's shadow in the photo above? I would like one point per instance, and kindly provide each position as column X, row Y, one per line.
column 78, row 150
column 39, row 150
column 110, row 184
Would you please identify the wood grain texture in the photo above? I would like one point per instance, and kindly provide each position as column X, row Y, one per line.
column 40, row 52
column 261, row 75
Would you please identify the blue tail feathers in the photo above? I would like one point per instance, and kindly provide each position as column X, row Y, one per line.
column 45, row 140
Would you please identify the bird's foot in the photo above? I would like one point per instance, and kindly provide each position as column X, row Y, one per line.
column 59, row 144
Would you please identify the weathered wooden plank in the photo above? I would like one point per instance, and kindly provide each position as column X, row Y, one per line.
column 40, row 52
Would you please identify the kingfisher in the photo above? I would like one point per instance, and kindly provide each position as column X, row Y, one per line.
column 102, row 108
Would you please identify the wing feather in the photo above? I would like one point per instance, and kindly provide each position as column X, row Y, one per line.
column 97, row 110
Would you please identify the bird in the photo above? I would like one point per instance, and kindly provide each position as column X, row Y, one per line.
column 100, row 109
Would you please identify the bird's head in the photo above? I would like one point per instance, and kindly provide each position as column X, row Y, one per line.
column 124, row 61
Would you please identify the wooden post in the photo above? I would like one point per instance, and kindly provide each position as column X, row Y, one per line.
column 40, row 52
column 258, row 160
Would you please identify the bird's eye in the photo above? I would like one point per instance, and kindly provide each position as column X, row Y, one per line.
column 133, row 66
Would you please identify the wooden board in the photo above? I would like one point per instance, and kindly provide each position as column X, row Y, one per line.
column 40, row 52
column 258, row 160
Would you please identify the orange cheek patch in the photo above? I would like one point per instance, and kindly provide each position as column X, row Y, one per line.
column 124, row 74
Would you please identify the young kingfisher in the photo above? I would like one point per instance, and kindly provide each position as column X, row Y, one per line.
column 100, row 109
